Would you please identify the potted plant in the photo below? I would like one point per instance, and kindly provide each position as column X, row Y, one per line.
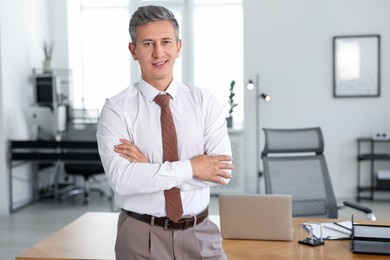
column 48, row 51
column 232, row 104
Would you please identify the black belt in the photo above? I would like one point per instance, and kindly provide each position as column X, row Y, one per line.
column 166, row 223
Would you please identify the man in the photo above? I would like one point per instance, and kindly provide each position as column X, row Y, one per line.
column 131, row 126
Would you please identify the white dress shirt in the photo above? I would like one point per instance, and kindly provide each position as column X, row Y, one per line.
column 133, row 115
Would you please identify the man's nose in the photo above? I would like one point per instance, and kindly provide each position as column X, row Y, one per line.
column 157, row 50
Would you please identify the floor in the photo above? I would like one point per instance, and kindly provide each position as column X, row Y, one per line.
column 29, row 225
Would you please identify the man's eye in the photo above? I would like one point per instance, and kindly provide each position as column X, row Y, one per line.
column 147, row 44
column 166, row 42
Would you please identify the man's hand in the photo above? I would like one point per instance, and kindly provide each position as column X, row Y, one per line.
column 130, row 152
column 211, row 167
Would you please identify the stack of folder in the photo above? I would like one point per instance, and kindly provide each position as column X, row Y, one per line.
column 370, row 239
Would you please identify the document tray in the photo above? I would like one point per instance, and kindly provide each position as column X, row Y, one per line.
column 370, row 239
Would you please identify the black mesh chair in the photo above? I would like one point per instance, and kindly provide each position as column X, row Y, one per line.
column 294, row 164
column 82, row 127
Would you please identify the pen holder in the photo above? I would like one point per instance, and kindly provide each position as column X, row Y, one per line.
column 310, row 240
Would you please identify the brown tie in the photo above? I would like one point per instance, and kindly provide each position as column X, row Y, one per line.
column 173, row 202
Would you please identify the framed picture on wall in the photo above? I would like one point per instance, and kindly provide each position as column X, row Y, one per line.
column 356, row 66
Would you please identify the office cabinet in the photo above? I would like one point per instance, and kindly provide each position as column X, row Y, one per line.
column 370, row 154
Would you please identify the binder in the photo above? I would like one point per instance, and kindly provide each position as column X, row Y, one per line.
column 370, row 239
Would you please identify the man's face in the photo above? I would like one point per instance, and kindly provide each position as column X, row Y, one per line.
column 156, row 51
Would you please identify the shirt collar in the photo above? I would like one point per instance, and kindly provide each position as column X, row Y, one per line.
column 151, row 92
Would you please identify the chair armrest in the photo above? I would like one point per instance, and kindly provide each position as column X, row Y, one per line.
column 370, row 215
column 357, row 206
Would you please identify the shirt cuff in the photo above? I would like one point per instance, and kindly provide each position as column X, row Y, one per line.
column 183, row 170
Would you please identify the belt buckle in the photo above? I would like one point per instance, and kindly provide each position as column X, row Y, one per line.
column 166, row 224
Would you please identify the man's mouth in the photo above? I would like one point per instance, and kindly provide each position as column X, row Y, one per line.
column 159, row 63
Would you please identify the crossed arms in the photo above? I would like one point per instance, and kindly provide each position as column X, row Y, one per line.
column 204, row 167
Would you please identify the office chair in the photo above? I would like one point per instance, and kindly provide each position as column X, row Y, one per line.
column 82, row 126
column 294, row 164
column 87, row 171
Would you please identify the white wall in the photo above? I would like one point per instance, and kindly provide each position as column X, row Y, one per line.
column 289, row 44
column 23, row 27
column 3, row 177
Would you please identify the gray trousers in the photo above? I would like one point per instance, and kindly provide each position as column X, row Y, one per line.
column 138, row 240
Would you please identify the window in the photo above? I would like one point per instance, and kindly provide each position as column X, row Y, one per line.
column 105, row 56
column 212, row 54
column 218, row 51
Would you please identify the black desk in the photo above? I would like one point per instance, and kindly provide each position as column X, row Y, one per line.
column 51, row 152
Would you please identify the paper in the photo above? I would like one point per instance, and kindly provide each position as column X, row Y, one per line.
column 337, row 230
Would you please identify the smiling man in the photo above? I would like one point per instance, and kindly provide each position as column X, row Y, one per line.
column 156, row 51
column 163, row 144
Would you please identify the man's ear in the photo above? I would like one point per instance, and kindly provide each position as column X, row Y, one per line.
column 179, row 44
column 132, row 50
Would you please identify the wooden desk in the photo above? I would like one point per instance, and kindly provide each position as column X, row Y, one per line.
column 92, row 236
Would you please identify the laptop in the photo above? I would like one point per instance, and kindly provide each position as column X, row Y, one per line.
column 256, row 216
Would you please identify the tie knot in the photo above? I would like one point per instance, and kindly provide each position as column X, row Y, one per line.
column 162, row 100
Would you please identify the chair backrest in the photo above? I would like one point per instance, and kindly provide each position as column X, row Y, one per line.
column 294, row 164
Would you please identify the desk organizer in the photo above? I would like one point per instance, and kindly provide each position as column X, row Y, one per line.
column 370, row 239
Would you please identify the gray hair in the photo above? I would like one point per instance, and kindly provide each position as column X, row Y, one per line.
column 151, row 13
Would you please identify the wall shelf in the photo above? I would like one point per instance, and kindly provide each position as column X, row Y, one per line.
column 370, row 156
